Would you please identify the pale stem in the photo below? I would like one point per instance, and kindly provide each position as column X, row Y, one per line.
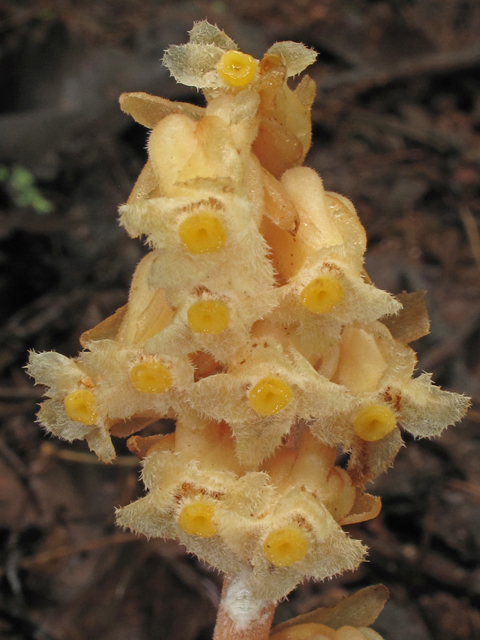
column 241, row 616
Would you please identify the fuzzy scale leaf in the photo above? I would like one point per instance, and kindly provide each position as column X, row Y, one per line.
column 149, row 110
column 361, row 609
column 426, row 410
column 295, row 56
column 193, row 64
column 204, row 33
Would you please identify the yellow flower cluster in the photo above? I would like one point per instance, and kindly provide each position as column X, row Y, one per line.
column 253, row 325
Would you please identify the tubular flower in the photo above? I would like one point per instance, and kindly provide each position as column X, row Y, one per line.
column 252, row 325
column 72, row 411
column 269, row 389
column 377, row 370
column 150, row 384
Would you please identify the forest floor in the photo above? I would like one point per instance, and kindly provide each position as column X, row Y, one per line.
column 396, row 126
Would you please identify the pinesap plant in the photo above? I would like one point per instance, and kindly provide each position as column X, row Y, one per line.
column 254, row 326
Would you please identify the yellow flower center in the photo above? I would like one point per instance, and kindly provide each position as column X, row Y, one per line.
column 236, row 68
column 151, row 377
column 374, row 423
column 285, row 546
column 202, row 233
column 196, row 519
column 269, row 396
column 322, row 294
column 208, row 316
column 80, row 406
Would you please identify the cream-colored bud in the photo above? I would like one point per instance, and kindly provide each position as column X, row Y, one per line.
column 348, row 633
column 170, row 146
column 362, row 363
column 306, row 631
column 305, row 188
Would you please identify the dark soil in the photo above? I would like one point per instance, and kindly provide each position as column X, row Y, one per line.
column 396, row 129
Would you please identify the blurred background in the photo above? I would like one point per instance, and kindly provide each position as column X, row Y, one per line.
column 396, row 126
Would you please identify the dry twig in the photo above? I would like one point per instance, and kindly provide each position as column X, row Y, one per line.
column 471, row 229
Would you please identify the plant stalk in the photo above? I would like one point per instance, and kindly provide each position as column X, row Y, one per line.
column 241, row 616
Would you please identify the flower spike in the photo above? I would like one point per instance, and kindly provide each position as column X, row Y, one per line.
column 254, row 331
